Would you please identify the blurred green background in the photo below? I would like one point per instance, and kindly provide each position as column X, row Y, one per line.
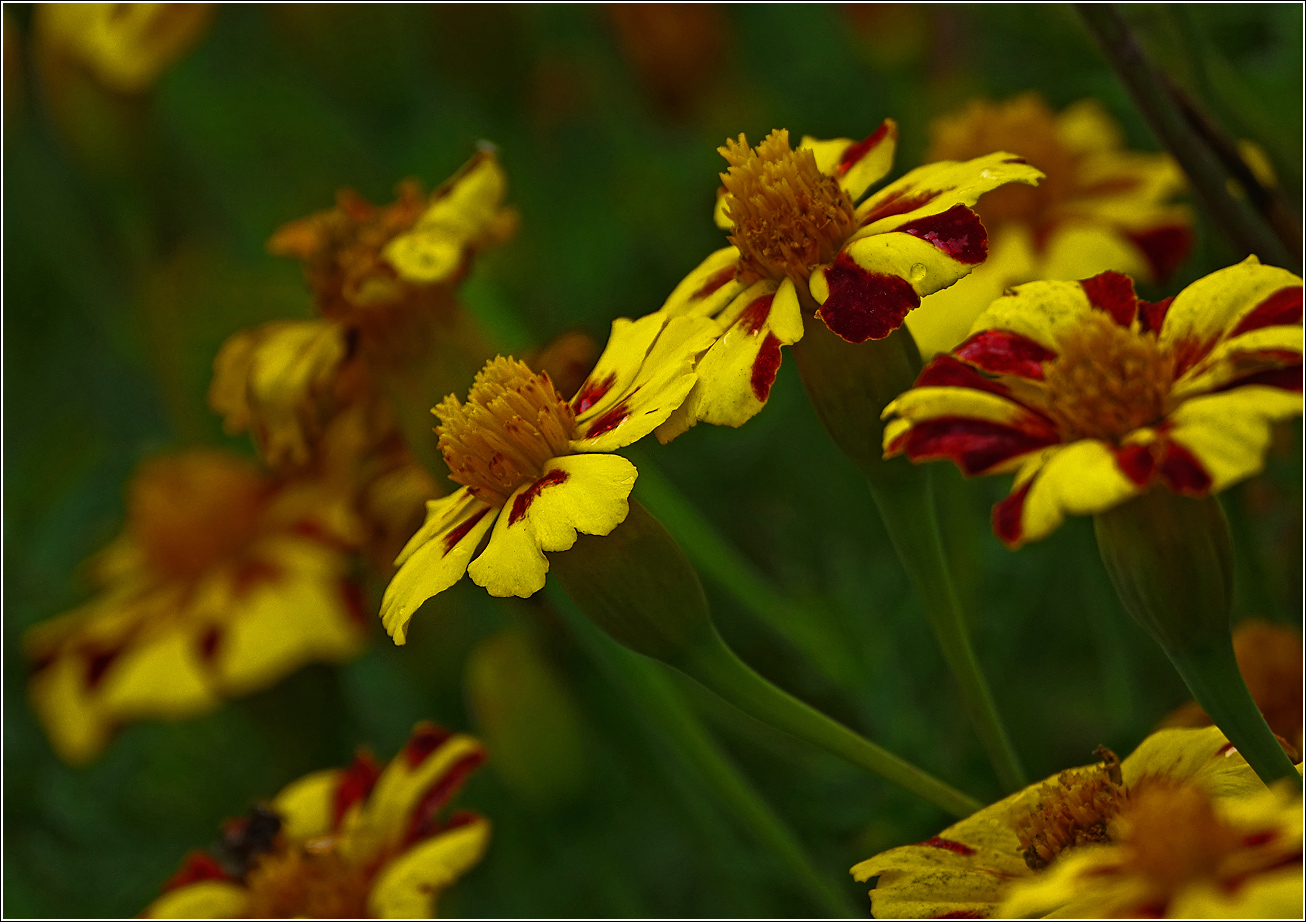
column 129, row 258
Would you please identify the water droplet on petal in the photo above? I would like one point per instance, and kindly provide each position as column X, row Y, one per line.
column 917, row 272
column 987, row 174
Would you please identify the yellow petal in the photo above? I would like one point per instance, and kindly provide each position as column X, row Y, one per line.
column 307, row 806
column 160, row 677
column 408, row 886
column 577, row 493
column 1237, row 357
column 710, row 287
column 858, row 165
column 75, row 723
column 1080, row 251
column 1082, row 478
column 1212, row 305
column 619, row 364
column 207, row 899
column 1201, row 755
column 1229, row 432
column 1037, row 311
column 939, row 186
column 1087, row 126
column 435, row 558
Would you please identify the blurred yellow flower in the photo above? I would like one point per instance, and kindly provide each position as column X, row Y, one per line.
column 223, row 581
column 1092, row 397
column 124, row 45
column 1102, row 207
column 539, row 468
column 801, row 246
column 343, row 843
column 1227, row 839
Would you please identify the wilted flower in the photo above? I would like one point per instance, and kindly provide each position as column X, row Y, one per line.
column 344, row 843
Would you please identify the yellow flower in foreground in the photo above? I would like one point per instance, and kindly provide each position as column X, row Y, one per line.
column 1182, row 816
column 539, row 468
column 801, row 246
column 125, row 45
column 223, row 581
column 379, row 276
column 1092, row 397
column 1101, row 207
column 346, row 843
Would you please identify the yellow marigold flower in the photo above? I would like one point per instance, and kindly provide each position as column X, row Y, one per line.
column 359, row 842
column 1101, row 207
column 538, row 467
column 1194, row 776
column 223, row 581
column 802, row 246
column 1092, row 396
column 124, row 45
column 380, row 276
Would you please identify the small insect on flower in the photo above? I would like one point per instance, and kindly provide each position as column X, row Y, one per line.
column 802, row 247
column 224, row 581
column 538, row 468
column 1180, row 826
column 359, row 842
column 1091, row 396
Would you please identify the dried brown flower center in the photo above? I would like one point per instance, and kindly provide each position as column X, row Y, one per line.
column 308, row 880
column 194, row 510
column 513, row 423
column 1076, row 810
column 788, row 216
column 1107, row 380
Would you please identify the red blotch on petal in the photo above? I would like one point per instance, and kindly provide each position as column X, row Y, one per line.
column 1151, row 314
column 591, row 392
column 714, row 282
column 1002, row 353
column 864, row 305
column 958, row 233
column 1183, row 473
column 209, row 643
column 1112, row 292
column 97, row 664
column 1259, row 838
column 1137, row 463
column 1286, row 379
column 351, row 594
column 960, row 848
column 527, row 496
column 424, row 819
column 1008, row 515
column 974, row 445
column 355, row 784
column 900, row 202
column 426, row 739
column 765, row 367
column 946, row 371
column 855, row 152
column 1164, row 248
column 607, row 422
column 1280, row 309
column 962, row 914
column 457, row 534
column 751, row 318
column 196, row 867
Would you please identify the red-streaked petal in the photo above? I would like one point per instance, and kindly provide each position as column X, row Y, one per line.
column 974, row 445
column 196, row 867
column 1183, row 473
column 1137, row 462
column 1164, row 247
column 864, row 305
column 957, row 232
column 1282, row 308
column 425, row 816
column 1008, row 516
column 355, row 784
column 946, row 371
column 1151, row 315
column 1286, row 379
column 1114, row 293
column 1000, row 352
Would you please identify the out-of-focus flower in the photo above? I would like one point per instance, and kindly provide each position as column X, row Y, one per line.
column 1092, row 397
column 1228, row 832
column 345, row 843
column 540, row 468
column 1102, row 207
column 675, row 49
column 802, row 247
column 126, row 46
column 1270, row 659
column 223, row 581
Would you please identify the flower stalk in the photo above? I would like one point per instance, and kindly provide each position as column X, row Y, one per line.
column 849, row 385
column 637, row 585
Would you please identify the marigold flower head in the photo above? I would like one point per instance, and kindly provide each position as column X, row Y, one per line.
column 126, row 46
column 359, row 842
column 1091, row 396
column 538, row 468
column 1101, row 207
column 803, row 247
column 223, row 581
column 1182, row 816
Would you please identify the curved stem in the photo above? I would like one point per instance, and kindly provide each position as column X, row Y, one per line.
column 1212, row 675
column 716, row 667
column 906, row 504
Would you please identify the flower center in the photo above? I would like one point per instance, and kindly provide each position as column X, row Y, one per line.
column 191, row 511
column 513, row 423
column 308, row 880
column 1173, row 835
column 1106, row 380
column 1074, row 811
column 788, row 216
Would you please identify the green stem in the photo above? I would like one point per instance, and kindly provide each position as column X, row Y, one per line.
column 1212, row 675
column 716, row 667
column 906, row 504
column 1245, row 230
column 658, row 697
